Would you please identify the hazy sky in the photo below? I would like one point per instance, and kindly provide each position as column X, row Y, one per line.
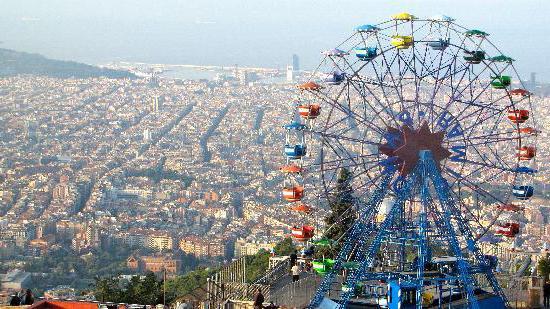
column 251, row 32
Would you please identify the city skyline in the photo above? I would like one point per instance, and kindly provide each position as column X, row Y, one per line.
column 172, row 32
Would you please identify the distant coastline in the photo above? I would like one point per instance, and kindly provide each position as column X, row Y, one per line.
column 15, row 63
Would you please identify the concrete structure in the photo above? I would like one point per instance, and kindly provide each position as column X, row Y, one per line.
column 154, row 263
column 15, row 280
column 203, row 247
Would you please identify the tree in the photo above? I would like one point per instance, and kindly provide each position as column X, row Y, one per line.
column 343, row 212
column 544, row 267
column 285, row 247
column 183, row 285
column 149, row 291
column 107, row 289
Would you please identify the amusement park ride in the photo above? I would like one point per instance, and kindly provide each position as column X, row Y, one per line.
column 439, row 140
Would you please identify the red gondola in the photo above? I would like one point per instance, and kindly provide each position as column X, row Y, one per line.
column 309, row 111
column 291, row 169
column 293, row 194
column 309, row 86
column 303, row 233
column 527, row 153
column 510, row 207
column 301, row 208
column 518, row 115
column 508, row 229
column 529, row 130
column 520, row 92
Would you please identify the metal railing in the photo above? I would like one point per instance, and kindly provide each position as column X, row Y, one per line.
column 296, row 294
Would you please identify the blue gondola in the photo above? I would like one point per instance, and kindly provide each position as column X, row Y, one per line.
column 366, row 28
column 525, row 170
column 522, row 192
column 335, row 52
column 295, row 126
column 441, row 18
column 440, row 44
column 335, row 78
column 295, row 151
column 366, row 53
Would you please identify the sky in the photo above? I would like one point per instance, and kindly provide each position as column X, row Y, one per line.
column 250, row 32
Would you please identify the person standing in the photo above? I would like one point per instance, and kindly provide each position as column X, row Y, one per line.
column 293, row 258
column 546, row 294
column 28, row 298
column 259, row 300
column 15, row 300
column 295, row 273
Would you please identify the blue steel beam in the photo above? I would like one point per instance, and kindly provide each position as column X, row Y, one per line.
column 357, row 232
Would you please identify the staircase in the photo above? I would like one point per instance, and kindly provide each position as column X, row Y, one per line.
column 229, row 288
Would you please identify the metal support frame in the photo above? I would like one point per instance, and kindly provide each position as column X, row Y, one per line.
column 395, row 228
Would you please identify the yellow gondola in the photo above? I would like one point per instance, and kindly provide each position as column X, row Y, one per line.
column 402, row 41
column 403, row 16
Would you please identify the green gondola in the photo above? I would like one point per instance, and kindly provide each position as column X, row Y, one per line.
column 476, row 33
column 323, row 266
column 323, row 242
column 501, row 81
column 501, row 58
column 474, row 57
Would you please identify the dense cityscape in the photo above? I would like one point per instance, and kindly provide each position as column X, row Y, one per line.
column 407, row 170
column 171, row 166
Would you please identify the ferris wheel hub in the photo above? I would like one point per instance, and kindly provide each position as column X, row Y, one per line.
column 405, row 144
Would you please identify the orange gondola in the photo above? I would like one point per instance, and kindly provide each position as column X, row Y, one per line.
column 529, row 130
column 293, row 194
column 309, row 111
column 510, row 207
column 291, row 169
column 508, row 229
column 527, row 153
column 518, row 115
column 303, row 233
column 311, row 86
column 520, row 92
column 301, row 208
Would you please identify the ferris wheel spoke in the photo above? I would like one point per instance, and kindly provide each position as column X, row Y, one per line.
column 480, row 118
column 492, row 141
column 358, row 157
column 473, row 217
column 350, row 113
column 365, row 101
column 373, row 109
column 339, row 150
column 346, row 138
column 457, row 94
column 387, row 108
column 485, row 136
column 472, row 185
column 483, row 156
column 355, row 165
column 476, row 98
column 353, row 176
column 478, row 113
column 388, row 70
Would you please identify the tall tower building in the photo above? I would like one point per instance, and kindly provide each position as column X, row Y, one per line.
column 295, row 63
column 31, row 127
column 533, row 80
column 156, row 104
column 289, row 74
column 147, row 135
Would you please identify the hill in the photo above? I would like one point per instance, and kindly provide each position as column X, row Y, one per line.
column 13, row 63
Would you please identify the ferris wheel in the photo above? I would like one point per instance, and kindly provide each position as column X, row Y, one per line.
column 407, row 84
